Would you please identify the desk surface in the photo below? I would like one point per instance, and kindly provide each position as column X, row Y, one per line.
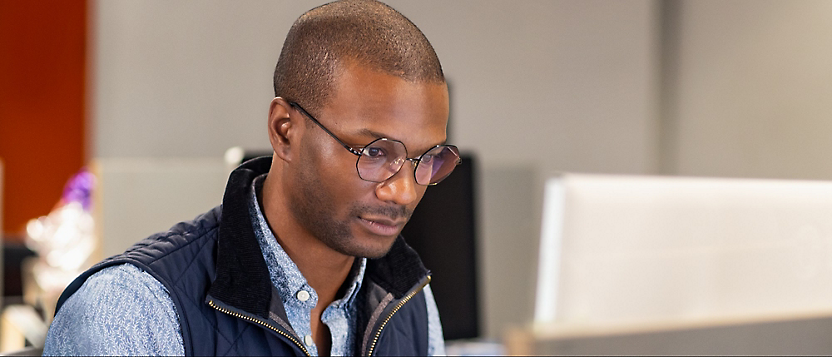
column 801, row 335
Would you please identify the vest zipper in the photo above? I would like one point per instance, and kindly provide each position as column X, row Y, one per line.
column 251, row 319
column 393, row 312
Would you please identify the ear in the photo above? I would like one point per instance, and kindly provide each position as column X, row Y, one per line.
column 283, row 131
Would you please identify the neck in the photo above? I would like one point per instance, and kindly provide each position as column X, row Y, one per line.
column 325, row 269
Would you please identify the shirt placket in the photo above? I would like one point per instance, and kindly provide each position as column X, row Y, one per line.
column 299, row 298
column 299, row 311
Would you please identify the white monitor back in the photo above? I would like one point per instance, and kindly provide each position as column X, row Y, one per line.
column 630, row 250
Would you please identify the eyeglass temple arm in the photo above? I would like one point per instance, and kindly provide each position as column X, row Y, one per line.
column 298, row 107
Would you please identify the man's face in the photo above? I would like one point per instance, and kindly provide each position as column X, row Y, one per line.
column 328, row 198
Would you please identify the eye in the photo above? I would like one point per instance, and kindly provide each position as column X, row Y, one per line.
column 375, row 152
column 427, row 158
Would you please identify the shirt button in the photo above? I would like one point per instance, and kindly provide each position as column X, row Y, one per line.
column 308, row 340
column 303, row 295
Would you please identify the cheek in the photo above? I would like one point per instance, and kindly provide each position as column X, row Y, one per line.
column 336, row 174
column 322, row 160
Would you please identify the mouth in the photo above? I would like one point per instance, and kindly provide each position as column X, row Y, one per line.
column 382, row 226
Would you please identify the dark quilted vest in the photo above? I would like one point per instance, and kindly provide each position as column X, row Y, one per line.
column 218, row 280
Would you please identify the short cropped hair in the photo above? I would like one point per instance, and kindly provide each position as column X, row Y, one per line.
column 364, row 32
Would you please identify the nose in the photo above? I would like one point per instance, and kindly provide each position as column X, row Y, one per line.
column 400, row 189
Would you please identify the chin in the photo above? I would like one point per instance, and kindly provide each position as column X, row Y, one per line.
column 371, row 247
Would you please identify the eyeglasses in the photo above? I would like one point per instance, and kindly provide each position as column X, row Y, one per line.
column 382, row 158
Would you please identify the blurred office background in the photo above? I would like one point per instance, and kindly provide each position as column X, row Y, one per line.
column 701, row 88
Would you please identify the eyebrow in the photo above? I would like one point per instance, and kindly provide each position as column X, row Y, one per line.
column 377, row 135
column 374, row 134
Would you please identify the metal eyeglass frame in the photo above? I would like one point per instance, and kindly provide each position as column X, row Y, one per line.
column 358, row 153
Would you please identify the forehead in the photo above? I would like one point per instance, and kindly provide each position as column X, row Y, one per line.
column 368, row 103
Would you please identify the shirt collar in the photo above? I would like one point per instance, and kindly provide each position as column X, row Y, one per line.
column 284, row 274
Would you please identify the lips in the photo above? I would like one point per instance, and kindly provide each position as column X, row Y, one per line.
column 382, row 226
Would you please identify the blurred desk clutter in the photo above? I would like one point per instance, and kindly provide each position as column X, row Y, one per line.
column 58, row 247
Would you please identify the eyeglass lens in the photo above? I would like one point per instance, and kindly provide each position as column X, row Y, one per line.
column 383, row 158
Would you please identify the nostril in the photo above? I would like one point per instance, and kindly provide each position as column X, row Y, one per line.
column 399, row 189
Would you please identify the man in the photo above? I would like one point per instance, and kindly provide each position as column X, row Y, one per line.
column 304, row 256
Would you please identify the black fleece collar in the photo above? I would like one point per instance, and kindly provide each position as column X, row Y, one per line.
column 242, row 279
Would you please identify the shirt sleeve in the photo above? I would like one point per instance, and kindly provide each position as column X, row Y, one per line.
column 120, row 310
column 436, row 341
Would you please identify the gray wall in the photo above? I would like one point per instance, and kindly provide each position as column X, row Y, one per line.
column 562, row 84
column 752, row 83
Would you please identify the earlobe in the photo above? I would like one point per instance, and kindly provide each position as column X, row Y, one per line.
column 281, row 130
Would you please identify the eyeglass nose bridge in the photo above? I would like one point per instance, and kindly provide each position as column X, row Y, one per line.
column 399, row 163
column 415, row 161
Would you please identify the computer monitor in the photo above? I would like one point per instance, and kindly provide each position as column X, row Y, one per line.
column 442, row 230
column 630, row 255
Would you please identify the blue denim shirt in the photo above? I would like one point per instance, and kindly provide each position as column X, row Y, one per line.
column 122, row 310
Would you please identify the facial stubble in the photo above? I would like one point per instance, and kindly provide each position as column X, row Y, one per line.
column 313, row 206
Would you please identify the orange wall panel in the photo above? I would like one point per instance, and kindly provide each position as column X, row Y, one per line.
column 42, row 103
